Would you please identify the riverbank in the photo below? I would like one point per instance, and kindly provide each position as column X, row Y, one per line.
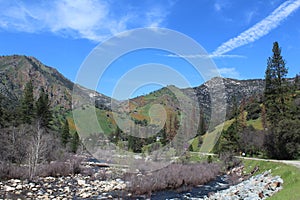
column 260, row 186
column 107, row 183
column 69, row 187
column 289, row 174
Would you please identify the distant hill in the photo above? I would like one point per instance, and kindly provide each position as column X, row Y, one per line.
column 239, row 89
column 16, row 71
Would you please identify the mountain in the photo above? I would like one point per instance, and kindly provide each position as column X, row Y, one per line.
column 225, row 88
column 16, row 71
column 232, row 88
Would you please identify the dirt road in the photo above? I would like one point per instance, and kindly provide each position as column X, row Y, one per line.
column 295, row 163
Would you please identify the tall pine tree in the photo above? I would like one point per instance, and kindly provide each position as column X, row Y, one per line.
column 65, row 135
column 276, row 86
column 75, row 141
column 27, row 104
column 43, row 111
column 283, row 140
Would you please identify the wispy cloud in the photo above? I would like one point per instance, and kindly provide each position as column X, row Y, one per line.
column 90, row 19
column 249, row 16
column 227, row 72
column 219, row 5
column 261, row 28
column 205, row 56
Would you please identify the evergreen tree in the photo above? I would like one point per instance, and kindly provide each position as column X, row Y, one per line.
column 43, row 109
column 3, row 113
column 163, row 135
column 65, row 135
column 264, row 117
column 202, row 124
column 75, row 142
column 27, row 104
column 283, row 139
column 242, row 115
column 276, row 87
column 230, row 138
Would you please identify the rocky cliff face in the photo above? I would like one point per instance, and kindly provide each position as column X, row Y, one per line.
column 16, row 71
column 232, row 88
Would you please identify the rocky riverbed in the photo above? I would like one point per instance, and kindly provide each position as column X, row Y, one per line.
column 70, row 187
column 106, row 184
column 260, row 186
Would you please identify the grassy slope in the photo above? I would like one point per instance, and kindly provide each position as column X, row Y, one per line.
column 209, row 138
column 104, row 119
column 289, row 174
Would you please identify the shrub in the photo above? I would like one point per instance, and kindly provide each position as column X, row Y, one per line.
column 60, row 168
column 209, row 159
column 172, row 177
column 229, row 160
column 11, row 171
column 253, row 111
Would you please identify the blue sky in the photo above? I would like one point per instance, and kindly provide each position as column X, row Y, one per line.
column 237, row 34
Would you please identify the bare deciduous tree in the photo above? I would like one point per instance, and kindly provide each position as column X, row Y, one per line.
column 38, row 147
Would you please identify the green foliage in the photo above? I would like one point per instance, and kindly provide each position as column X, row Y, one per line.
column 4, row 114
column 209, row 159
column 202, row 128
column 163, row 135
column 276, row 87
column 75, row 141
column 135, row 144
column 43, row 111
column 116, row 136
column 253, row 111
column 229, row 140
column 283, row 140
column 65, row 135
column 27, row 104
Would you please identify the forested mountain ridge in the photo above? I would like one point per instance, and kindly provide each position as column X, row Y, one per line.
column 16, row 71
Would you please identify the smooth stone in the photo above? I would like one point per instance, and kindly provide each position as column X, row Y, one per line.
column 9, row 188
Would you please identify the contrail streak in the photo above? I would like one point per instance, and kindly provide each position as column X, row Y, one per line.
column 261, row 28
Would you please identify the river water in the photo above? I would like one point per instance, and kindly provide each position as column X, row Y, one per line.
column 220, row 183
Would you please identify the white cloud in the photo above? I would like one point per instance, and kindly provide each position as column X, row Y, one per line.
column 205, row 56
column 91, row 19
column 261, row 28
